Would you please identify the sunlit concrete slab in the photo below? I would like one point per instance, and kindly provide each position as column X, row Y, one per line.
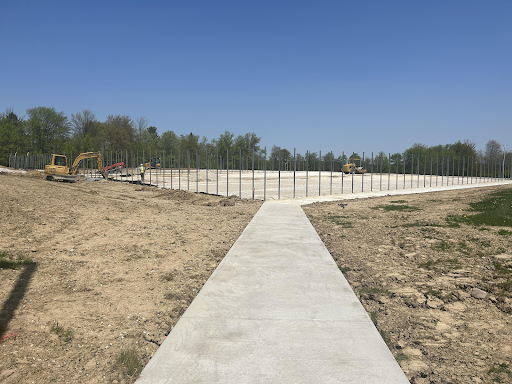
column 399, row 192
column 276, row 310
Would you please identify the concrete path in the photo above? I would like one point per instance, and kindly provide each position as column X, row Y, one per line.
column 276, row 310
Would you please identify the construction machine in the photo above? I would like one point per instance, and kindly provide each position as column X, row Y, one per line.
column 351, row 166
column 58, row 168
column 153, row 163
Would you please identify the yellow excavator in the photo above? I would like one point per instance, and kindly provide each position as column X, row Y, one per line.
column 351, row 167
column 58, row 168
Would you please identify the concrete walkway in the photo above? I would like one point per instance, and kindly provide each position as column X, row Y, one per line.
column 276, row 310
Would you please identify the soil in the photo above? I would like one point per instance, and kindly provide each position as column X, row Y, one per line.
column 415, row 274
column 114, row 267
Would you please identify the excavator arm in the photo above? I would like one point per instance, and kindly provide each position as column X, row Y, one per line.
column 88, row 155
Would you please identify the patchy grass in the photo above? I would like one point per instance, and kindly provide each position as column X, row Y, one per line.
column 397, row 208
column 499, row 372
column 495, row 210
column 442, row 246
column 399, row 201
column 130, row 362
column 344, row 269
column 338, row 221
column 421, row 224
column 446, row 297
column 400, row 356
column 374, row 291
column 65, row 334
column 9, row 261
column 500, row 269
column 504, row 232
column 481, row 243
column 432, row 264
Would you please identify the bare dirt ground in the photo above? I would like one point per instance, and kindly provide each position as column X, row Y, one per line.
column 414, row 272
column 114, row 267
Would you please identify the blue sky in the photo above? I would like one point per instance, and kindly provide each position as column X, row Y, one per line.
column 315, row 75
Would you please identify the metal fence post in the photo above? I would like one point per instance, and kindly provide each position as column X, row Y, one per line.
column 389, row 170
column 253, row 174
column 430, row 170
column 320, row 174
column 453, row 169
column 362, row 173
column 403, row 165
column 371, row 176
column 240, row 176
column 265, row 177
column 342, row 173
column 307, row 170
column 396, row 170
column 425, row 172
column 380, row 182
column 418, row 181
column 188, row 170
column 330, row 189
column 294, row 169
column 458, row 171
column 463, row 166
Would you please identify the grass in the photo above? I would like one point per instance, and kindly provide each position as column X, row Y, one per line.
column 398, row 201
column 383, row 334
column 400, row 356
column 129, row 361
column 9, row 261
column 482, row 243
column 498, row 370
column 398, row 207
column 500, row 269
column 495, row 210
column 440, row 295
column 374, row 291
column 344, row 269
column 431, row 264
column 443, row 246
column 504, row 232
column 66, row 334
column 168, row 276
column 337, row 220
column 463, row 247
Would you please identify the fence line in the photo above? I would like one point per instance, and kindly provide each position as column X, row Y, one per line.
column 270, row 178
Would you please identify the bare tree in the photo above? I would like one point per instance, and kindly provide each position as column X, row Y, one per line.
column 82, row 122
column 493, row 150
column 142, row 124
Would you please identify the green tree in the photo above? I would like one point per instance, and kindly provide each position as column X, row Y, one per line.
column 119, row 133
column 48, row 129
column 150, row 139
column 13, row 137
column 381, row 162
column 189, row 142
column 224, row 142
column 169, row 142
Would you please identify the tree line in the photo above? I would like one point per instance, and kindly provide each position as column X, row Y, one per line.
column 44, row 130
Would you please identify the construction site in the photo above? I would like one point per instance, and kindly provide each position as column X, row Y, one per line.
column 96, row 273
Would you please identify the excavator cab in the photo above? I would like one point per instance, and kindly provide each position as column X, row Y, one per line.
column 58, row 166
